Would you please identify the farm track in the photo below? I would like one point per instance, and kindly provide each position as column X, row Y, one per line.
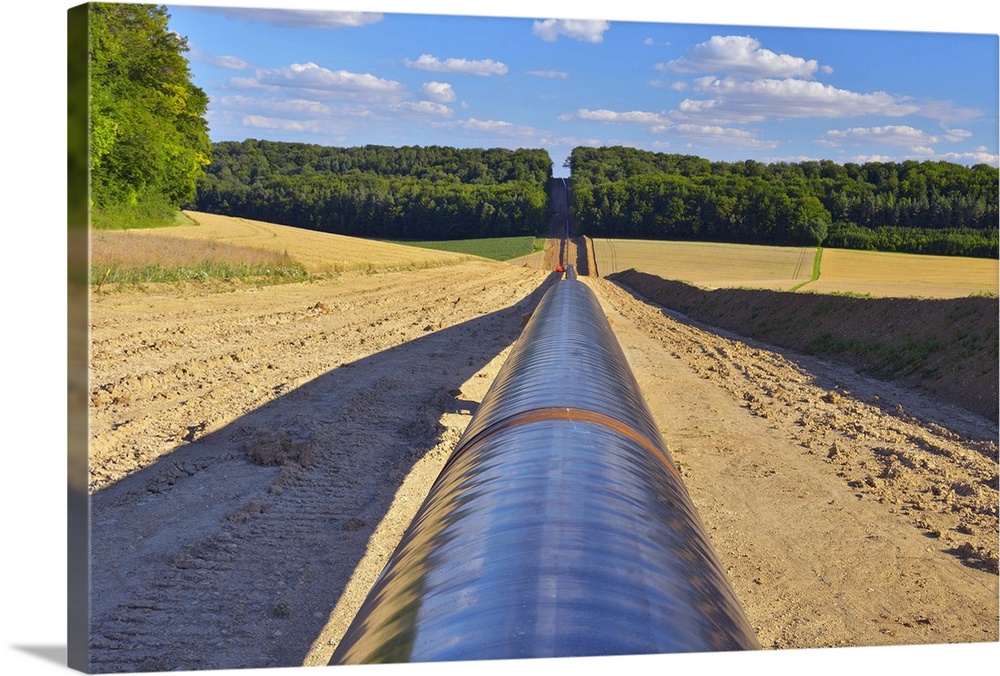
column 257, row 453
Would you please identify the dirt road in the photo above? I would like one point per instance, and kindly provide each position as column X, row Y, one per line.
column 563, row 247
column 257, row 452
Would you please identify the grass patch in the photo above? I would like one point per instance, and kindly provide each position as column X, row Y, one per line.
column 817, row 260
column 121, row 257
column 494, row 248
column 885, row 361
column 152, row 213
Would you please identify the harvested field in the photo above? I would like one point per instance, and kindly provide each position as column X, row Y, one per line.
column 256, row 453
column 318, row 252
column 707, row 264
column 711, row 265
column 894, row 275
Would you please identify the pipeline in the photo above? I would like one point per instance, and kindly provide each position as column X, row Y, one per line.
column 559, row 526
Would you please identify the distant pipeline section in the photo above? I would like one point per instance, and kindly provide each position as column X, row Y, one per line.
column 559, row 525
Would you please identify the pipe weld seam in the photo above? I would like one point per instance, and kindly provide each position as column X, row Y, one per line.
column 572, row 414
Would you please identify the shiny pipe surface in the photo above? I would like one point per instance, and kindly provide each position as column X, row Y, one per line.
column 559, row 526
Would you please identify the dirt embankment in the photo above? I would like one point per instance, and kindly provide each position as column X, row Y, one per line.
column 945, row 347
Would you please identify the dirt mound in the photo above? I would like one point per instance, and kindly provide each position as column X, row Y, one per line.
column 945, row 347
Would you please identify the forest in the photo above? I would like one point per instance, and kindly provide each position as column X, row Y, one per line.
column 929, row 207
column 400, row 193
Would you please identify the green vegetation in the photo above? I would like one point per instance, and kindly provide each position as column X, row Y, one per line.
column 124, row 258
column 203, row 271
column 148, row 136
column 407, row 193
column 495, row 248
column 914, row 207
column 886, row 361
column 817, row 260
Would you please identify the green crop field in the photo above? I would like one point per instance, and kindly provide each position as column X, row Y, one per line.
column 494, row 248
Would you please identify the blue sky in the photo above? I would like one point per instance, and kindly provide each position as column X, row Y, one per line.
column 725, row 92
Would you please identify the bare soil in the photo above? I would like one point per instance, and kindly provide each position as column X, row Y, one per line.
column 255, row 454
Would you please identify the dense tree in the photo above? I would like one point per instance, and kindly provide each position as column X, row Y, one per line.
column 410, row 192
column 921, row 207
column 148, row 137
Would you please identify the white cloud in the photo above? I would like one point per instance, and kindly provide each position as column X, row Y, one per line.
column 584, row 30
column 486, row 125
column 312, row 80
column 956, row 135
column 228, row 62
column 862, row 159
column 424, row 108
column 616, row 117
column 740, row 55
column 494, row 129
column 274, row 106
column 948, row 112
column 980, row 156
column 283, row 124
column 897, row 135
column 739, row 138
column 561, row 74
column 483, row 67
column 914, row 140
column 438, row 91
column 733, row 101
column 298, row 18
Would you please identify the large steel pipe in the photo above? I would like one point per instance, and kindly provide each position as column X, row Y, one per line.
column 559, row 525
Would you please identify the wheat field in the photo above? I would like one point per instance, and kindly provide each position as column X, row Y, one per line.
column 711, row 265
column 317, row 252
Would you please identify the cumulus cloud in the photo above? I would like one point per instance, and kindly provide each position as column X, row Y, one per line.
column 313, row 80
column 980, row 155
column 917, row 142
column 482, row 67
column 424, row 108
column 731, row 101
column 896, row 135
column 298, row 18
column 618, row 117
column 584, row 30
column 663, row 123
column 438, row 91
column 740, row 55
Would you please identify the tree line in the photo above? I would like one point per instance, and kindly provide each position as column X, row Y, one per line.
column 147, row 133
column 918, row 207
column 404, row 193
